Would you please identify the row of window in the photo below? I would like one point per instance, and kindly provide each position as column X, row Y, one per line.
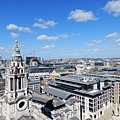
column 18, row 83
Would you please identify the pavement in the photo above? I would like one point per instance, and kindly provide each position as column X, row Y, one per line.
column 108, row 114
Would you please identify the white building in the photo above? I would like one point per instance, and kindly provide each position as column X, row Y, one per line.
column 94, row 93
column 39, row 76
column 17, row 100
column 34, row 86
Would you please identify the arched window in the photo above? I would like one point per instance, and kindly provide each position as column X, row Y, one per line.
column 13, row 64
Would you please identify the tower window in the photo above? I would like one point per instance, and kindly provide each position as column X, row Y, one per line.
column 19, row 82
column 18, row 64
column 13, row 64
column 21, row 70
column 18, row 70
column 11, row 84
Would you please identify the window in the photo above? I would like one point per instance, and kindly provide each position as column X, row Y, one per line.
column 91, row 109
column 19, row 82
column 13, row 64
column 11, row 84
column 18, row 64
column 21, row 70
column 94, row 116
column 90, row 105
column 90, row 100
column 90, row 116
column 18, row 70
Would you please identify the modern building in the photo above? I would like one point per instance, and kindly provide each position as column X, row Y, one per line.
column 94, row 93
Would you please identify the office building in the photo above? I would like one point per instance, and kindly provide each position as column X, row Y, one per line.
column 94, row 93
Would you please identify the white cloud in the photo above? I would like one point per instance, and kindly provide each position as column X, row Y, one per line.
column 11, row 27
column 1, row 48
column 97, row 41
column 118, row 44
column 112, row 35
column 88, row 50
column 75, row 34
column 93, row 43
column 118, row 40
column 81, row 16
column 21, row 45
column 44, row 24
column 63, row 35
column 90, row 45
column 114, row 46
column 113, row 7
column 6, row 51
column 95, row 50
column 66, row 49
column 40, row 20
column 49, row 47
column 13, row 35
column 45, row 37
column 15, row 27
column 25, row 29
column 50, row 23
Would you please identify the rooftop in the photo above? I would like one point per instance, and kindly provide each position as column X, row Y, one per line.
column 81, row 79
column 56, row 92
column 90, row 93
column 45, row 99
column 74, row 118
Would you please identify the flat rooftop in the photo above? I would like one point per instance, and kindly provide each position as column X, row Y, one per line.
column 90, row 93
column 81, row 79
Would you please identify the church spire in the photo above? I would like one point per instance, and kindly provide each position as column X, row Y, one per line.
column 17, row 99
column 16, row 52
column 16, row 44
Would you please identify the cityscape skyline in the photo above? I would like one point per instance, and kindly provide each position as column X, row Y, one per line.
column 61, row 29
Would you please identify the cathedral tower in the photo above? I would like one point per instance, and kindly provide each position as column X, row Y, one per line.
column 17, row 100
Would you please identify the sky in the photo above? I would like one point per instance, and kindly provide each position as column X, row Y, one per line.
column 60, row 29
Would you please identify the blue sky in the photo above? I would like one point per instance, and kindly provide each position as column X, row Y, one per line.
column 54, row 29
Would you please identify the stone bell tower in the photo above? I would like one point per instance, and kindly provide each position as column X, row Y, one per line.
column 17, row 100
